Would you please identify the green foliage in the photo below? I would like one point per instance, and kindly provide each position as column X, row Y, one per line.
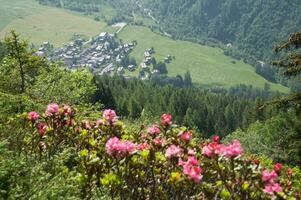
column 19, row 67
column 63, row 86
column 277, row 138
column 251, row 26
column 194, row 107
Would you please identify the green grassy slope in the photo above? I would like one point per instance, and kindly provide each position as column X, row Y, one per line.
column 40, row 23
column 207, row 65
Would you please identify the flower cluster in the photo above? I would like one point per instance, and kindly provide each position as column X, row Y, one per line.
column 214, row 148
column 270, row 180
column 115, row 147
column 162, row 162
column 191, row 169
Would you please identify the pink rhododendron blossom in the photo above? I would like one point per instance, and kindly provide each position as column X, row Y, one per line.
column 154, row 129
column 173, row 151
column 213, row 149
column 33, row 116
column 269, row 176
column 278, row 167
column 159, row 141
column 143, row 146
column 110, row 115
column 193, row 172
column 216, row 139
column 233, row 149
column 272, row 188
column 42, row 127
column 191, row 168
column 186, row 136
column 115, row 147
column 166, row 120
column 51, row 109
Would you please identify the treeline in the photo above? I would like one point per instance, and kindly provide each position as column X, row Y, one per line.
column 86, row 6
column 209, row 113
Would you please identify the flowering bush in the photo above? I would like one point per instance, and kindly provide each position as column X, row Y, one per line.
column 158, row 162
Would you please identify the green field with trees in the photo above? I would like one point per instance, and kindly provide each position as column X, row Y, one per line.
column 208, row 66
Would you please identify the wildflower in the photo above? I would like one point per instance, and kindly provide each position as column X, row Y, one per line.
column 233, row 149
column 51, row 109
column 166, row 120
column 216, row 139
column 278, row 167
column 269, row 176
column 213, row 149
column 33, row 116
column 42, row 127
column 173, row 151
column 193, row 172
column 159, row 142
column 271, row 188
column 143, row 146
column 186, row 136
column 110, row 115
column 115, row 147
column 154, row 129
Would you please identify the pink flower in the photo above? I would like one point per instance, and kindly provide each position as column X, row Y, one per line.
column 33, row 116
column 111, row 145
column 269, row 176
column 173, row 151
column 166, row 120
column 143, row 146
column 115, row 147
column 191, row 152
column 213, row 149
column 278, row 167
column 193, row 172
column 110, row 115
column 154, row 130
column 42, row 127
column 191, row 168
column 233, row 149
column 51, row 109
column 159, row 142
column 186, row 136
column 271, row 188
column 216, row 139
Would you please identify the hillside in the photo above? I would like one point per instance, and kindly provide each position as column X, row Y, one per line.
column 208, row 66
column 41, row 23
column 253, row 26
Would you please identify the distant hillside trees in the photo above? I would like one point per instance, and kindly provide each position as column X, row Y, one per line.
column 210, row 113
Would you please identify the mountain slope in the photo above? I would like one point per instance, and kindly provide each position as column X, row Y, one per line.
column 252, row 25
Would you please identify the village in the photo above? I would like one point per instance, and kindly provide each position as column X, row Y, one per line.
column 103, row 54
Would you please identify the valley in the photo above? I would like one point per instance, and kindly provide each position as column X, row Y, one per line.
column 208, row 66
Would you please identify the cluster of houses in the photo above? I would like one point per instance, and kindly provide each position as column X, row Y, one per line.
column 100, row 54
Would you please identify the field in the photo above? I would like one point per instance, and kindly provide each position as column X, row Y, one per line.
column 40, row 23
column 208, row 66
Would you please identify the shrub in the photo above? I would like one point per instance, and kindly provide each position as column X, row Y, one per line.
column 163, row 161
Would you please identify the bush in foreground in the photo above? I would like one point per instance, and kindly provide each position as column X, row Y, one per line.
column 162, row 161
